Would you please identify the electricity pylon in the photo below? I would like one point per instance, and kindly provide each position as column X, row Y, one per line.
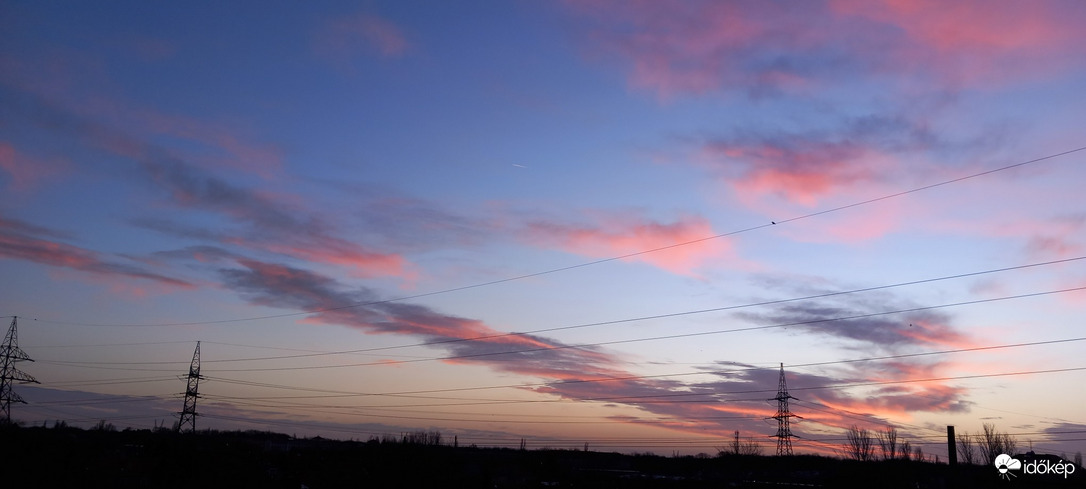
column 188, row 411
column 9, row 354
column 784, row 430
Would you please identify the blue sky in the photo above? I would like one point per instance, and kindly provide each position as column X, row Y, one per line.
column 390, row 189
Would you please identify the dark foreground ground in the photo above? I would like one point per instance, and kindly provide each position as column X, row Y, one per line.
column 69, row 457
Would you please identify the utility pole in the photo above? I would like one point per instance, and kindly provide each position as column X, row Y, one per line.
column 951, row 446
column 9, row 354
column 784, row 430
column 188, row 411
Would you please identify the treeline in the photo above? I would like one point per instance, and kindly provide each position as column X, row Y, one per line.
column 885, row 444
column 972, row 449
column 104, row 456
column 985, row 446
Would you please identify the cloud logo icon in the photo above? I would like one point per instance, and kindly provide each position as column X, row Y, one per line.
column 1005, row 463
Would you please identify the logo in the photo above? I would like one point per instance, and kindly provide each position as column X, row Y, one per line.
column 1043, row 467
column 1005, row 464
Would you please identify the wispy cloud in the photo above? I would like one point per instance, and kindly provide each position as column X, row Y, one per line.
column 276, row 285
column 407, row 222
column 265, row 221
column 1056, row 237
column 728, row 396
column 974, row 41
column 25, row 172
column 892, row 333
column 767, row 48
column 609, row 235
column 675, row 48
column 342, row 39
column 128, row 129
column 804, row 167
column 24, row 241
column 270, row 222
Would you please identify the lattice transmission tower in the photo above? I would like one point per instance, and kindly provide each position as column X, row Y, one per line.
column 192, row 392
column 784, row 430
column 9, row 354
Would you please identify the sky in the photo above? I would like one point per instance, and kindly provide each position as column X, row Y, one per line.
column 603, row 222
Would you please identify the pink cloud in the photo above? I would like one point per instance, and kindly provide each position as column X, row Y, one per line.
column 696, row 47
column 217, row 145
column 282, row 286
column 937, row 334
column 274, row 222
column 1043, row 238
column 735, row 399
column 24, row 171
column 343, row 38
column 615, row 235
column 856, row 227
column 23, row 241
column 797, row 168
column 1060, row 237
column 800, row 174
column 975, row 41
column 13, row 246
column 361, row 263
column 787, row 174
column 127, row 129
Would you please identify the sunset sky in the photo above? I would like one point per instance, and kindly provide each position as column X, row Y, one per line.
column 352, row 205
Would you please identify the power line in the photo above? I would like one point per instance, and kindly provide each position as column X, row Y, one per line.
column 658, row 316
column 666, row 337
column 78, row 383
column 491, row 419
column 633, row 399
column 995, row 347
column 581, row 345
column 658, row 376
column 145, row 343
column 837, row 386
column 600, row 261
column 860, row 416
column 105, row 400
column 695, row 420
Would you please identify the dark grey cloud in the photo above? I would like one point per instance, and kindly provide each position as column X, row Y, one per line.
column 177, row 229
column 189, row 186
column 281, row 286
column 878, row 332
